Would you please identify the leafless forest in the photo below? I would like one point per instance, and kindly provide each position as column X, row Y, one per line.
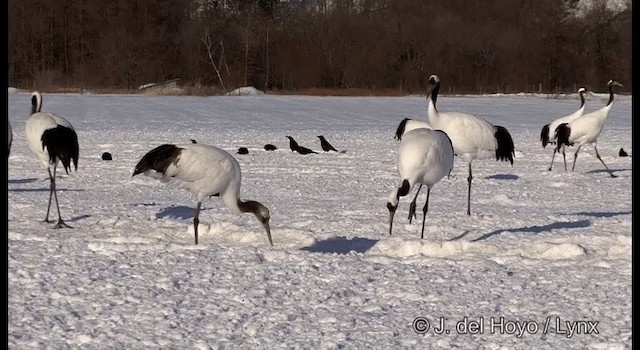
column 278, row 45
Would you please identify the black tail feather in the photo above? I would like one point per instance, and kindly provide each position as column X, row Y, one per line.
column 563, row 132
column 158, row 159
column 400, row 130
column 506, row 148
column 62, row 144
column 544, row 136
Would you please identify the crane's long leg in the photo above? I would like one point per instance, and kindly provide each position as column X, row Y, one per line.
column 598, row 155
column 60, row 223
column 196, row 221
column 51, row 179
column 564, row 158
column 424, row 211
column 552, row 158
column 412, row 206
column 575, row 157
column 469, row 191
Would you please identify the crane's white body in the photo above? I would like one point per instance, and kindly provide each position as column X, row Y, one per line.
column 587, row 128
column 472, row 136
column 36, row 125
column 408, row 124
column 204, row 171
column 416, row 124
column 425, row 156
column 551, row 133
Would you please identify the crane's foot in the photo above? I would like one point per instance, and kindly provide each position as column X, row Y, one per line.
column 61, row 224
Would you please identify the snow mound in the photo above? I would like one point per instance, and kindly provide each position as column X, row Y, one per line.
column 245, row 91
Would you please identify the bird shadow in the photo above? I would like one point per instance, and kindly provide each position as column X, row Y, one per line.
column 177, row 212
column 503, row 177
column 45, row 189
column 78, row 218
column 606, row 171
column 23, row 181
column 341, row 245
column 460, row 236
column 602, row 214
column 537, row 229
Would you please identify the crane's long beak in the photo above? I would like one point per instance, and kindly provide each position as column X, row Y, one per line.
column 266, row 227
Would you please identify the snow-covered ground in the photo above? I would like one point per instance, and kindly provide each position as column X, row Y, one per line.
column 546, row 255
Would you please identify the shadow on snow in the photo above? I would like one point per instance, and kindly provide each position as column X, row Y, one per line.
column 602, row 214
column 341, row 245
column 44, row 189
column 502, row 177
column 537, row 229
column 23, row 181
column 606, row 171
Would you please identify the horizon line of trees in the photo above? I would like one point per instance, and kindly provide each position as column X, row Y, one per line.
column 474, row 46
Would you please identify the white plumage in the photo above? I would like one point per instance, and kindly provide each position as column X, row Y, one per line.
column 586, row 129
column 472, row 136
column 425, row 156
column 52, row 139
column 204, row 171
column 9, row 137
column 548, row 134
column 408, row 124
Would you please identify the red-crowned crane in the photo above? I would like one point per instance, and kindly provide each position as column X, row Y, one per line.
column 204, row 171
column 425, row 156
column 586, row 129
column 53, row 140
column 548, row 134
column 472, row 136
column 406, row 125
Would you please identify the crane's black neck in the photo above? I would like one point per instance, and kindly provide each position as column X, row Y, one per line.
column 610, row 94
column 35, row 104
column 433, row 92
column 581, row 99
column 249, row 207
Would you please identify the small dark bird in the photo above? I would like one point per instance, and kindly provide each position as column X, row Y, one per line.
column 305, row 150
column 293, row 144
column 326, row 146
column 622, row 153
column 243, row 150
column 106, row 156
column 270, row 147
column 295, row 147
column 193, row 141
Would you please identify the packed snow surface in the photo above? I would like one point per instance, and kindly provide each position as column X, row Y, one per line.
column 543, row 261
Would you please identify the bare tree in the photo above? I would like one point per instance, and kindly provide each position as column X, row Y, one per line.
column 206, row 40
